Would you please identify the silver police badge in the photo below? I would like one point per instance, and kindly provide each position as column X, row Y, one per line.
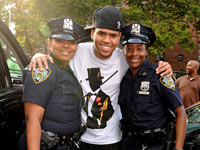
column 144, row 87
column 68, row 24
column 135, row 29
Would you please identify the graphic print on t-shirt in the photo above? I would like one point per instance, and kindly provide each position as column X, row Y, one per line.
column 102, row 109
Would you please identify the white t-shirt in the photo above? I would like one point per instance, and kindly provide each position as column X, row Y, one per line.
column 100, row 80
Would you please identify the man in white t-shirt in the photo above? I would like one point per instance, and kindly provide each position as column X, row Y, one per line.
column 99, row 67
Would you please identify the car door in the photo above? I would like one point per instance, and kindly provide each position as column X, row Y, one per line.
column 12, row 63
column 192, row 140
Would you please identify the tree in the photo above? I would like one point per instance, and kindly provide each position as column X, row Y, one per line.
column 168, row 19
column 80, row 10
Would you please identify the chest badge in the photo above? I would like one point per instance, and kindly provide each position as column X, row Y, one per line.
column 40, row 76
column 144, row 87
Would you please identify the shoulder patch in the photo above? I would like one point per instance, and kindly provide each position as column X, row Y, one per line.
column 40, row 76
column 168, row 82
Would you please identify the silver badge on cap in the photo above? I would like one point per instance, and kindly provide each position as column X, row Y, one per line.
column 68, row 24
column 135, row 29
column 144, row 87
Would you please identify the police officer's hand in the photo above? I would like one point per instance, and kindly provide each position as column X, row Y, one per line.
column 40, row 60
column 165, row 68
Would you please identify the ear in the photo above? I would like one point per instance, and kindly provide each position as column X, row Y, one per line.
column 146, row 52
column 123, row 47
column 92, row 33
column 48, row 43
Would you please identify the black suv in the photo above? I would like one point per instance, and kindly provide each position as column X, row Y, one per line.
column 12, row 62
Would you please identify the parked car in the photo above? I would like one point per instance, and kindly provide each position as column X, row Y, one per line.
column 192, row 141
column 12, row 62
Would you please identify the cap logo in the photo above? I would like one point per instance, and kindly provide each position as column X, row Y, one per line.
column 118, row 24
column 135, row 29
column 68, row 24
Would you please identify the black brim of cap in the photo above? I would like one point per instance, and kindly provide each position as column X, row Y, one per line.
column 134, row 41
column 63, row 36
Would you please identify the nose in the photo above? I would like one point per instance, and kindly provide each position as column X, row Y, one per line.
column 66, row 44
column 106, row 39
column 133, row 52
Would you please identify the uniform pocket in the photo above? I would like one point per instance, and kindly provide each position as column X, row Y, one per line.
column 69, row 88
column 69, row 100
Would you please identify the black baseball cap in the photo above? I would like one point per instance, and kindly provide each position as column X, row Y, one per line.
column 108, row 17
column 65, row 28
column 137, row 33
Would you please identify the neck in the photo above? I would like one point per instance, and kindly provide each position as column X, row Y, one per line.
column 192, row 75
column 134, row 71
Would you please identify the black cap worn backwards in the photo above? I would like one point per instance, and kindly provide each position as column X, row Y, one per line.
column 65, row 28
column 108, row 17
column 137, row 33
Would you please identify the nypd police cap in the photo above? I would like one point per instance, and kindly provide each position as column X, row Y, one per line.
column 137, row 33
column 65, row 28
column 108, row 17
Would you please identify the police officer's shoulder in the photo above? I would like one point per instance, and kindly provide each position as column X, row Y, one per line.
column 38, row 76
column 168, row 82
column 152, row 65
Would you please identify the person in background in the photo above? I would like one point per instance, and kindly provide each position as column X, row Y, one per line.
column 145, row 97
column 53, row 97
column 99, row 67
column 189, row 85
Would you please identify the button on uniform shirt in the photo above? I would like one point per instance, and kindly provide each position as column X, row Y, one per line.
column 146, row 98
column 56, row 90
column 189, row 89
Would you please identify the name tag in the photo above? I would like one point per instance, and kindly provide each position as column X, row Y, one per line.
column 143, row 93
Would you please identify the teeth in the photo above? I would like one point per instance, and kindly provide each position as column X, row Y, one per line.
column 134, row 60
column 106, row 47
column 65, row 52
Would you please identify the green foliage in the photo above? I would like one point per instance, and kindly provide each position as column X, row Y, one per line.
column 169, row 19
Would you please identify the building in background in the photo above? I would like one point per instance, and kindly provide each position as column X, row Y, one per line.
column 179, row 57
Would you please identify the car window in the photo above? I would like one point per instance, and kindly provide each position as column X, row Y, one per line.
column 13, row 63
column 193, row 116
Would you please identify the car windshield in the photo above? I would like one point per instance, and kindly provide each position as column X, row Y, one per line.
column 193, row 116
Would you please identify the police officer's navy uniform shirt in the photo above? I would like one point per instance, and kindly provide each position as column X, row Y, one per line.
column 144, row 100
column 59, row 93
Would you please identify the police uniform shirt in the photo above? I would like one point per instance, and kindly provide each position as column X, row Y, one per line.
column 56, row 90
column 146, row 97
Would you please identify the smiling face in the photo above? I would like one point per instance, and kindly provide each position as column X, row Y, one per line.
column 192, row 68
column 105, row 42
column 135, row 55
column 62, row 50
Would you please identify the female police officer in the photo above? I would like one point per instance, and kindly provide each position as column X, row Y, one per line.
column 52, row 97
column 145, row 97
